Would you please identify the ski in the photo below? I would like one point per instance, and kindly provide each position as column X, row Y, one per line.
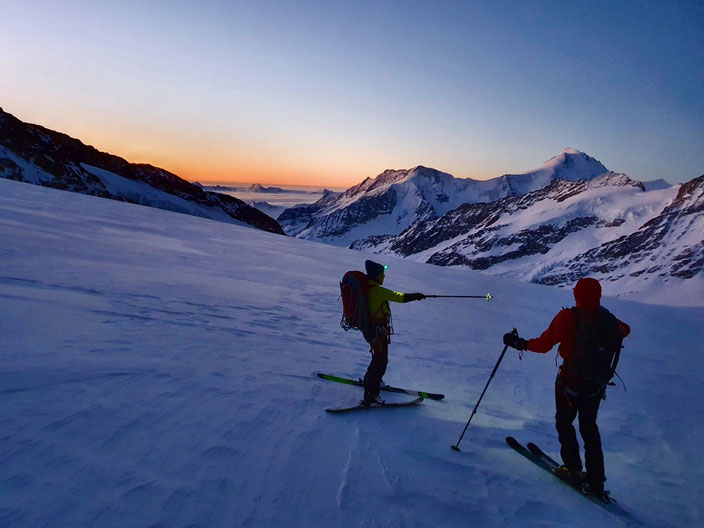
column 362, row 407
column 533, row 448
column 388, row 388
column 544, row 461
column 520, row 448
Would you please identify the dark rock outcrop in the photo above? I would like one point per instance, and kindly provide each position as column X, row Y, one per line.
column 61, row 161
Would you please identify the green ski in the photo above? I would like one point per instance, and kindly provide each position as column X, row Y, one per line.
column 362, row 407
column 388, row 388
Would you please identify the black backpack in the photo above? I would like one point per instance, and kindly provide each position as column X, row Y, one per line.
column 596, row 349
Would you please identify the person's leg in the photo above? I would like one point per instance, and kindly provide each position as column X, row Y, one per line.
column 376, row 369
column 593, row 454
column 565, row 414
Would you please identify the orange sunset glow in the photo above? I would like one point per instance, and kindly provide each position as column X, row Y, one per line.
column 273, row 95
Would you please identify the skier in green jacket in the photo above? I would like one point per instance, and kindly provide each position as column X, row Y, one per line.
column 379, row 335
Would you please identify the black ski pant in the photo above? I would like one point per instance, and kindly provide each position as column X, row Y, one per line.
column 378, row 339
column 568, row 408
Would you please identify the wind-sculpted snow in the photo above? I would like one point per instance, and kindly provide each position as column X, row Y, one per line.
column 34, row 154
column 157, row 369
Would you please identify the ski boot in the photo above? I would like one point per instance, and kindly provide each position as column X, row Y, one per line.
column 597, row 489
column 373, row 401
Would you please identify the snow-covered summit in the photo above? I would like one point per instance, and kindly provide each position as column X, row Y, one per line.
column 570, row 165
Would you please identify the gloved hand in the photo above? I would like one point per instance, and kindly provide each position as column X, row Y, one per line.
column 413, row 297
column 512, row 340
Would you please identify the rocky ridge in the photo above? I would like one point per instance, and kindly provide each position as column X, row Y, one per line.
column 34, row 154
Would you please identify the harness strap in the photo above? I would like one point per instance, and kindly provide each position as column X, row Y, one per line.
column 379, row 331
column 574, row 394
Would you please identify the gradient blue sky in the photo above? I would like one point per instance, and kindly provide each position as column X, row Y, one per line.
column 328, row 93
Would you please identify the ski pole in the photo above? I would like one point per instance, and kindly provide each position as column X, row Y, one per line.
column 456, row 447
column 488, row 296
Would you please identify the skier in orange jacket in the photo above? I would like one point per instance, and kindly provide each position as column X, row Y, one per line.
column 589, row 337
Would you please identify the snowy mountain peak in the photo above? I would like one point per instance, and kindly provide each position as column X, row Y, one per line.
column 391, row 177
column 614, row 179
column 572, row 165
column 567, row 154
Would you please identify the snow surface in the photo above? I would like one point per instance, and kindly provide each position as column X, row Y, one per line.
column 157, row 369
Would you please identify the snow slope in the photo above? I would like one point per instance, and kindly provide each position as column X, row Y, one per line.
column 156, row 369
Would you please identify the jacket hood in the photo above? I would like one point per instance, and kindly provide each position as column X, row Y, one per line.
column 587, row 294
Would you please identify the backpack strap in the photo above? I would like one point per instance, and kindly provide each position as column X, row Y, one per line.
column 576, row 357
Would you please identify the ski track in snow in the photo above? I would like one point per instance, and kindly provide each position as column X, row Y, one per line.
column 157, row 370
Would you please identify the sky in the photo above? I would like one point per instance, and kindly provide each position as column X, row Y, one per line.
column 328, row 93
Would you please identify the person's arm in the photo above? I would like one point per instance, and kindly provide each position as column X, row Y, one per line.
column 559, row 327
column 386, row 294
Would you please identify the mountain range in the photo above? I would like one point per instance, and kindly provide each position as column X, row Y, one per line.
column 569, row 218
column 398, row 199
column 34, row 154
column 608, row 227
